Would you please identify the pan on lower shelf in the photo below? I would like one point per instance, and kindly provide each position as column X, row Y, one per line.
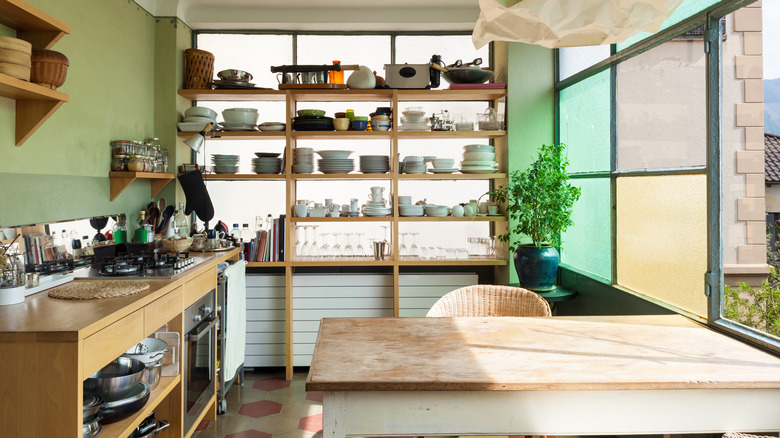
column 117, row 410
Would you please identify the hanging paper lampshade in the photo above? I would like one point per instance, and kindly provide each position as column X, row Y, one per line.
column 567, row 23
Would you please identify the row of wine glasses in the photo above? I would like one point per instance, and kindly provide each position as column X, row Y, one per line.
column 308, row 245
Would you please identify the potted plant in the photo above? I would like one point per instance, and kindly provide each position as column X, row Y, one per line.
column 539, row 200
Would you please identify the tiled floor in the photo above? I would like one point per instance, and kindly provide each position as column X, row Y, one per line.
column 268, row 406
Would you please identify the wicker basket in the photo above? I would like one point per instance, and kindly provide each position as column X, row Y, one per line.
column 198, row 68
column 176, row 245
column 49, row 68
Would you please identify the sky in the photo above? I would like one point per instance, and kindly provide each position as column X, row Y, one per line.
column 771, row 29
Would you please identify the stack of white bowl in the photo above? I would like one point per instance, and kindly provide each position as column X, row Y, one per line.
column 407, row 209
column 239, row 119
column 414, row 164
column 335, row 161
column 303, row 160
column 479, row 158
column 377, row 207
column 267, row 163
column 434, row 210
column 413, row 119
column 374, row 163
column 196, row 117
column 225, row 163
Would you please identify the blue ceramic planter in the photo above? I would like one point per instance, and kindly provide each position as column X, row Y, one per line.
column 536, row 267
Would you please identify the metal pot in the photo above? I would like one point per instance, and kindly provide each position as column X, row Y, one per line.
column 467, row 75
column 148, row 351
column 152, row 373
column 92, row 403
column 116, row 379
column 117, row 410
column 91, row 427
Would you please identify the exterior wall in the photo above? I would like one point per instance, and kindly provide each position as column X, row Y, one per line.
column 744, row 235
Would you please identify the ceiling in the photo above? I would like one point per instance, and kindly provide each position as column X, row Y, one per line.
column 320, row 15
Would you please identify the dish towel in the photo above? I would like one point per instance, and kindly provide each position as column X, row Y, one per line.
column 235, row 323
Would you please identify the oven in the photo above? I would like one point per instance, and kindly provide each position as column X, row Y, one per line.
column 199, row 357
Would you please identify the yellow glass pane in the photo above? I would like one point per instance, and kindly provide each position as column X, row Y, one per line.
column 662, row 238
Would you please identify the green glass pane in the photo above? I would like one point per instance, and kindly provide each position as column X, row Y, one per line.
column 688, row 8
column 587, row 244
column 585, row 123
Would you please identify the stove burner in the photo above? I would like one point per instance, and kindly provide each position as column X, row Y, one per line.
column 147, row 264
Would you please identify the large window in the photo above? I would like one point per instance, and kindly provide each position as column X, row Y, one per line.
column 644, row 141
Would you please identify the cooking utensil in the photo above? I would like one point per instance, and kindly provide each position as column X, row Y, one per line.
column 166, row 216
column 235, row 75
column 91, row 406
column 467, row 75
column 152, row 373
column 148, row 351
column 91, row 427
column 116, row 379
column 119, row 409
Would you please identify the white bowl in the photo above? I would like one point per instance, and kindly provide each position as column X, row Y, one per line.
column 198, row 119
column 479, row 156
column 233, row 116
column 479, row 148
column 201, row 111
column 414, row 158
column 380, row 124
column 334, row 154
column 247, row 110
column 443, row 163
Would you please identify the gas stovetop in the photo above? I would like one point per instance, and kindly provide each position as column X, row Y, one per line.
column 157, row 265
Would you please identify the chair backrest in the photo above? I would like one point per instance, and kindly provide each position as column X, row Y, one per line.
column 490, row 300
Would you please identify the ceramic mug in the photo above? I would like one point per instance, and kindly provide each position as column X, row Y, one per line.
column 328, row 202
column 492, row 210
column 377, row 190
column 334, row 210
column 301, row 210
column 404, row 200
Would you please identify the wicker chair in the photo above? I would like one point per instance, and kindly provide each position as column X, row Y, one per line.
column 744, row 435
column 490, row 300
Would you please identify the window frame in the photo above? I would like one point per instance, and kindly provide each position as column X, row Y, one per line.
column 711, row 19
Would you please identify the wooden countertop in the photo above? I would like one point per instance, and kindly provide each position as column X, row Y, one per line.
column 72, row 320
column 536, row 354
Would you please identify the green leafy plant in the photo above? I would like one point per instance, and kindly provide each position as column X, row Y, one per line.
column 540, row 198
column 755, row 307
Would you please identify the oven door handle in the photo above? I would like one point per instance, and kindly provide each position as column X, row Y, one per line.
column 211, row 323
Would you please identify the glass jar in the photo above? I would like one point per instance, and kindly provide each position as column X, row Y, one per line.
column 136, row 163
column 119, row 163
column 122, row 147
column 11, row 267
column 165, row 160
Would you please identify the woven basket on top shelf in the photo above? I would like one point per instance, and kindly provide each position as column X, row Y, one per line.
column 198, row 68
column 49, row 68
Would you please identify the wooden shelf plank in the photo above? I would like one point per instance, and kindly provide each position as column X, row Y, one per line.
column 346, row 135
column 121, row 180
column 238, row 135
column 243, row 177
column 322, row 176
column 14, row 88
column 124, row 427
column 450, row 95
column 449, row 134
column 452, row 176
column 344, row 219
column 31, row 24
column 267, row 264
column 345, row 95
column 445, row 262
column 234, row 95
column 453, row 219
column 344, row 261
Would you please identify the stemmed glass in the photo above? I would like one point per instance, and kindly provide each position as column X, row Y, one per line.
column 414, row 251
column 325, row 248
column 335, row 250
column 360, row 249
column 298, row 243
column 307, row 244
column 314, row 249
column 349, row 250
column 403, row 251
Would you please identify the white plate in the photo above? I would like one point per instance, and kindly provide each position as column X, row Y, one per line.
column 443, row 170
column 273, row 127
column 478, row 171
column 328, row 171
column 187, row 126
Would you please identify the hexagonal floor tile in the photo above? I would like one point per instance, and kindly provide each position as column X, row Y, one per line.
column 249, row 434
column 260, row 408
column 314, row 396
column 312, row 423
column 271, row 384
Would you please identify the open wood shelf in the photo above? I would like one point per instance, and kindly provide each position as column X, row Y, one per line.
column 243, row 176
column 446, row 95
column 123, row 428
column 343, row 219
column 34, row 103
column 121, row 180
column 451, row 176
column 345, row 135
column 452, row 219
column 238, row 135
column 322, row 176
column 234, row 95
column 403, row 135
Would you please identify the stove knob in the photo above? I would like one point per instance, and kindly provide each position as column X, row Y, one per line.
column 197, row 318
column 205, row 310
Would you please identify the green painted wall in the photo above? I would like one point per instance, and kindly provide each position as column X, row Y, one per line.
column 530, row 112
column 61, row 172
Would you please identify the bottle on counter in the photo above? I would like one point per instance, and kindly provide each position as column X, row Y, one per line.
column 65, row 238
column 235, row 234
column 140, row 232
column 119, row 230
column 246, row 233
column 182, row 222
column 75, row 243
column 258, row 224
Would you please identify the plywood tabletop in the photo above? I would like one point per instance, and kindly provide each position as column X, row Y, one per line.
column 484, row 354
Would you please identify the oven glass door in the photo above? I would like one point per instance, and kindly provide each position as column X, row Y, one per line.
column 199, row 368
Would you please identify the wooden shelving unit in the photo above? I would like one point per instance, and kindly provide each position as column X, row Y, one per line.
column 34, row 103
column 121, row 180
column 394, row 99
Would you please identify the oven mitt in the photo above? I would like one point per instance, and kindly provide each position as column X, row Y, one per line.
column 198, row 199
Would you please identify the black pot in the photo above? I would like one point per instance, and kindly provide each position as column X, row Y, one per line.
column 536, row 267
column 113, row 411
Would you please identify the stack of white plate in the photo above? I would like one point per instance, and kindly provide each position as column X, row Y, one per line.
column 479, row 158
column 414, row 120
column 234, row 126
column 411, row 210
column 267, row 163
column 225, row 163
column 374, row 163
column 303, row 160
column 335, row 161
column 377, row 208
column 415, row 164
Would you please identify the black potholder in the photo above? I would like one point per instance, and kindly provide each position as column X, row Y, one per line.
column 198, row 199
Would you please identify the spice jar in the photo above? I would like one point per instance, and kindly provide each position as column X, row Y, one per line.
column 119, row 163
column 122, row 147
column 136, row 163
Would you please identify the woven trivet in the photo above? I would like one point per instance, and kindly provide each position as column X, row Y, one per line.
column 90, row 290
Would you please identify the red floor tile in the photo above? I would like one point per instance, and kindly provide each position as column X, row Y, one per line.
column 271, row 384
column 314, row 396
column 203, row 425
column 312, row 423
column 249, row 434
column 260, row 408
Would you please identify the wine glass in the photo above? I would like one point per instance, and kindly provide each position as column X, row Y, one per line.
column 360, row 250
column 414, row 251
column 335, row 250
column 403, row 251
column 349, row 250
column 298, row 242
column 324, row 250
column 314, row 252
